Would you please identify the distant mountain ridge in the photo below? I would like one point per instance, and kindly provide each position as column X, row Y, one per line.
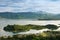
column 30, row 15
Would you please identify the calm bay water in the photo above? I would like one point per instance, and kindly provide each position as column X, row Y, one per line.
column 5, row 22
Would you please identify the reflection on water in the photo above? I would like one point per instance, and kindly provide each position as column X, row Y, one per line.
column 5, row 22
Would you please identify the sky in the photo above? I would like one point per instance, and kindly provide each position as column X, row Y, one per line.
column 51, row 6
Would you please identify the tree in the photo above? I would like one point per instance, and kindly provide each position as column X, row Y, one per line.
column 51, row 26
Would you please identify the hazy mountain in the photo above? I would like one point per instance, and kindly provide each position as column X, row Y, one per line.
column 29, row 15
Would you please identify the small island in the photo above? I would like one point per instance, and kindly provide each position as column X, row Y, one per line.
column 46, row 35
column 22, row 28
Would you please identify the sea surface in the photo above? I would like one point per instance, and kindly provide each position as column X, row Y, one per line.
column 5, row 22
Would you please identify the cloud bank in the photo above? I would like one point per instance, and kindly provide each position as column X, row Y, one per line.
column 51, row 6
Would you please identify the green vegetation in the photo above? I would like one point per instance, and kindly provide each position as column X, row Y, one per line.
column 46, row 35
column 51, row 26
column 43, row 36
column 21, row 28
column 30, row 15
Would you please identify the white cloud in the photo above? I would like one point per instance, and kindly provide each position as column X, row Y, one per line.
column 51, row 6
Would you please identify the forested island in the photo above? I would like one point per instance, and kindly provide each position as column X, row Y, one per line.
column 17, row 28
column 46, row 35
column 22, row 28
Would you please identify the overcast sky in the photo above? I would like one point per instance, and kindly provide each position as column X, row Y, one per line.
column 51, row 6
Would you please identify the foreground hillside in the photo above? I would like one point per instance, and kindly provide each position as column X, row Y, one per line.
column 49, row 35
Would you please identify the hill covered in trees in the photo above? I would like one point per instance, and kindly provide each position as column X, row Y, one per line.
column 43, row 36
column 30, row 15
